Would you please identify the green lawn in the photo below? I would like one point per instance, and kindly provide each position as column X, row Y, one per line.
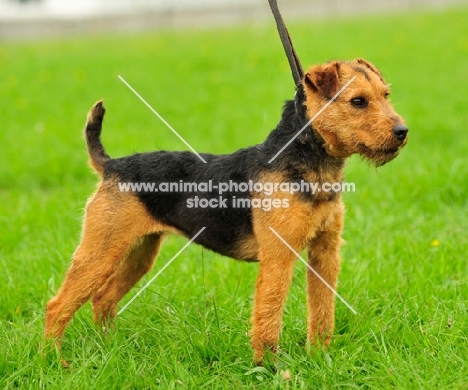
column 405, row 263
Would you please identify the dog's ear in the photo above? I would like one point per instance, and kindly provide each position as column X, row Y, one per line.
column 324, row 79
column 370, row 66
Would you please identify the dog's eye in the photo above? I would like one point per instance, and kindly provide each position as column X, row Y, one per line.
column 387, row 94
column 359, row 102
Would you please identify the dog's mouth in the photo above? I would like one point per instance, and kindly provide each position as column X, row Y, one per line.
column 391, row 151
column 381, row 156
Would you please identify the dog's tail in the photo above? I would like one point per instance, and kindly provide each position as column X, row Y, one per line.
column 97, row 154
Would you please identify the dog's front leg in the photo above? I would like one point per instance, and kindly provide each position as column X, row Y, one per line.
column 324, row 258
column 274, row 278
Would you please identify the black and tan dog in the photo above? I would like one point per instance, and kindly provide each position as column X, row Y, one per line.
column 123, row 231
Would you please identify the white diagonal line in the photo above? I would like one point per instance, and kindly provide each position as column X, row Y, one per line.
column 315, row 116
column 160, row 271
column 314, row 271
column 160, row 117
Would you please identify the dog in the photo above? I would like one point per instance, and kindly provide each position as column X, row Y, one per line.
column 123, row 230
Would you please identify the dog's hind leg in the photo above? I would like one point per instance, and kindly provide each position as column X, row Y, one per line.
column 113, row 224
column 137, row 263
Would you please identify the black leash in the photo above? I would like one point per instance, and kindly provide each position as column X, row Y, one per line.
column 294, row 63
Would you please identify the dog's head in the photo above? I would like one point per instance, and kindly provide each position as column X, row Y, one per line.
column 360, row 119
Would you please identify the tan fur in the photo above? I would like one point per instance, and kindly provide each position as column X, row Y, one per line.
column 370, row 134
column 119, row 232
column 311, row 221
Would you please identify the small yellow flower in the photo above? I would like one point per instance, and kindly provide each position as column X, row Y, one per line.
column 435, row 243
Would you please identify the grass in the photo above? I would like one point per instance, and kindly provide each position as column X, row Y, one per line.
column 404, row 265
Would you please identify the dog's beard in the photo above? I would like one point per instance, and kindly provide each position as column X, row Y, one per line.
column 378, row 157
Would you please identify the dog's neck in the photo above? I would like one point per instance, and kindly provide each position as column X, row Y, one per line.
column 306, row 154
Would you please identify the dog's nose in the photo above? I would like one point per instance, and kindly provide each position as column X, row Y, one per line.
column 400, row 132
